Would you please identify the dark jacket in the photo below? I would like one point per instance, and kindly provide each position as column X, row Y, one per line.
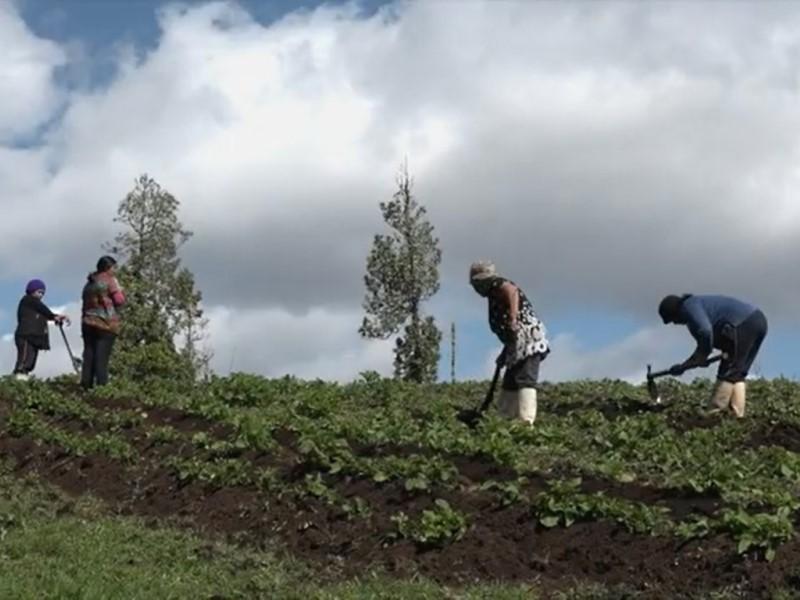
column 712, row 319
column 32, row 318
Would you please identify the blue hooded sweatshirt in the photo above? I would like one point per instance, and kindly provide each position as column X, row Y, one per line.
column 708, row 317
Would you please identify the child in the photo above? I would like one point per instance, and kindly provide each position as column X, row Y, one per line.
column 31, row 334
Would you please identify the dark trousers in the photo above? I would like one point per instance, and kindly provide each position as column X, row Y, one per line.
column 748, row 337
column 26, row 355
column 97, row 345
column 523, row 374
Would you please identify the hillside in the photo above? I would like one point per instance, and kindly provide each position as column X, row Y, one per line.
column 608, row 494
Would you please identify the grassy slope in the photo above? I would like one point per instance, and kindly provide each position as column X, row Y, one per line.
column 54, row 547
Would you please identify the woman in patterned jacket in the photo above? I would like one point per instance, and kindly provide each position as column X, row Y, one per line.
column 524, row 338
column 100, row 323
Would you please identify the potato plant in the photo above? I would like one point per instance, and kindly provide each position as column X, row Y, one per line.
column 309, row 441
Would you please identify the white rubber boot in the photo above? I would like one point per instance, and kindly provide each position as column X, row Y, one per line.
column 738, row 398
column 508, row 404
column 527, row 404
column 721, row 396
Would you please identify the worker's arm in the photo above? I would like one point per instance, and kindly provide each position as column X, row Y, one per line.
column 702, row 331
column 510, row 295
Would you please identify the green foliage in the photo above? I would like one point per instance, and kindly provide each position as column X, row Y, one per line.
column 510, row 492
column 314, row 485
column 55, row 548
column 307, row 442
column 416, row 354
column 417, row 472
column 153, row 360
column 563, row 504
column 162, row 302
column 163, row 434
column 30, row 423
column 402, row 273
column 439, row 526
column 219, row 472
column 242, row 389
column 761, row 530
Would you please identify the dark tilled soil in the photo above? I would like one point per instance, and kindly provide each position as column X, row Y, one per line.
column 779, row 434
column 610, row 409
column 501, row 543
column 617, row 409
column 685, row 422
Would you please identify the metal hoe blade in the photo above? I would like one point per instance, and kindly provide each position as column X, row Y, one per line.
column 77, row 363
column 652, row 387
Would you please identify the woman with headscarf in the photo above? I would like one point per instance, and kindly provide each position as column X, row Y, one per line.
column 100, row 324
column 524, row 338
column 32, row 333
column 730, row 325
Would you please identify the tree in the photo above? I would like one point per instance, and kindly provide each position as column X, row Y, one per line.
column 402, row 273
column 162, row 305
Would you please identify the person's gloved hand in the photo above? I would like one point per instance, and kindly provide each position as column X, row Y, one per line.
column 676, row 370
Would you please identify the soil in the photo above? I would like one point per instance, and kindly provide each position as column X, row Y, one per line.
column 503, row 543
column 627, row 407
column 779, row 434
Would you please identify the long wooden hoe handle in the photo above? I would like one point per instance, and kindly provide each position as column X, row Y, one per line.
column 707, row 363
column 490, row 394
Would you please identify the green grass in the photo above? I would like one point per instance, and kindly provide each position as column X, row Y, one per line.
column 55, row 547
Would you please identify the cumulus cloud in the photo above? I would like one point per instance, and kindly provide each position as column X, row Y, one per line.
column 27, row 67
column 626, row 359
column 273, row 342
column 320, row 344
column 604, row 153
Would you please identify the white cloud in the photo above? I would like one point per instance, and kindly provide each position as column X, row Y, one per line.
column 593, row 174
column 27, row 65
column 320, row 344
column 272, row 342
column 626, row 359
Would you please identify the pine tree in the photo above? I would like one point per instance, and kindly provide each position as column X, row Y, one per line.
column 402, row 273
column 163, row 306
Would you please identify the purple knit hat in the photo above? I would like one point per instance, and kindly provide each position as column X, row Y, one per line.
column 35, row 285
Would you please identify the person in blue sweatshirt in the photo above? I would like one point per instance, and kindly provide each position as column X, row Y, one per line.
column 730, row 325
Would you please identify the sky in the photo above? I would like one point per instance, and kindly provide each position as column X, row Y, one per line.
column 603, row 154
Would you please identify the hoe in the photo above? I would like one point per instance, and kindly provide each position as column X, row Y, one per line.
column 76, row 362
column 471, row 416
column 652, row 387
